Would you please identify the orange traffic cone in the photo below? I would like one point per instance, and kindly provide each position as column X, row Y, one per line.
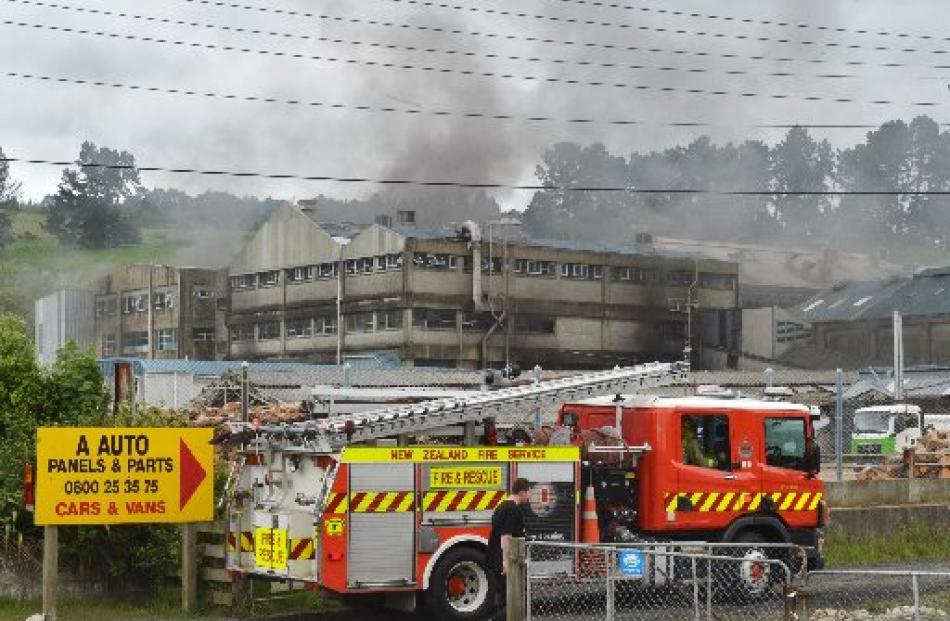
column 590, row 531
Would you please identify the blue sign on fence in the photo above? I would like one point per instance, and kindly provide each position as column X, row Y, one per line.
column 631, row 563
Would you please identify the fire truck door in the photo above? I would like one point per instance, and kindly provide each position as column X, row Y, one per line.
column 787, row 489
column 382, row 525
column 711, row 487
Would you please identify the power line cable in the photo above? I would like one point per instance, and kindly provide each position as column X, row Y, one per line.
column 544, row 40
column 454, row 53
column 461, row 72
column 575, row 21
column 759, row 22
column 487, row 185
column 417, row 112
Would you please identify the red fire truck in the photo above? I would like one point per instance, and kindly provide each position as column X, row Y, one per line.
column 347, row 506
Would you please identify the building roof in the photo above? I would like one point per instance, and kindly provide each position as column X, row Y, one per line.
column 926, row 293
column 927, row 382
column 200, row 368
column 782, row 266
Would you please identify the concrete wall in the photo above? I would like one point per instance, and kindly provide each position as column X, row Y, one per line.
column 862, row 522
column 889, row 492
column 289, row 238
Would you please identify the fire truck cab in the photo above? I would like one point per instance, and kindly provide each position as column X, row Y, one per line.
column 712, row 469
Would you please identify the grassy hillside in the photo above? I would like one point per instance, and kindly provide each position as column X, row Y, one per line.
column 35, row 264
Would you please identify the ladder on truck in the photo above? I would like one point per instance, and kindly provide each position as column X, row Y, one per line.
column 332, row 434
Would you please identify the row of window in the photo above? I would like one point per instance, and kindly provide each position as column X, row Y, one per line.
column 320, row 271
column 381, row 321
column 524, row 267
column 165, row 339
column 137, row 301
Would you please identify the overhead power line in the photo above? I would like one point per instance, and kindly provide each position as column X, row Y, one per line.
column 487, row 185
column 452, row 53
column 760, row 22
column 541, row 80
column 599, row 45
column 417, row 112
column 577, row 21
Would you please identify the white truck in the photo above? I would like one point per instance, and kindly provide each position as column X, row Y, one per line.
column 889, row 429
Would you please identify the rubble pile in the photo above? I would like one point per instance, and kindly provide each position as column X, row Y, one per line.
column 929, row 459
column 271, row 413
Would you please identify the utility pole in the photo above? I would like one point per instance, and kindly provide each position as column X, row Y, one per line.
column 898, row 357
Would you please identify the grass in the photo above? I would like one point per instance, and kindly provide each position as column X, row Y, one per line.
column 916, row 542
column 36, row 265
column 165, row 606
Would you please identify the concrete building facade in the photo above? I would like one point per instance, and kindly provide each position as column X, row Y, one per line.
column 467, row 299
column 160, row 311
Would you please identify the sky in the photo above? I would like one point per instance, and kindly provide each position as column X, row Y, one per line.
column 674, row 54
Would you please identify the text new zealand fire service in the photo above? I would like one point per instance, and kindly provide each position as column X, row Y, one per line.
column 123, row 476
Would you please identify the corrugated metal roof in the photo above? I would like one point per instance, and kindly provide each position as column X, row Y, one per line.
column 849, row 301
column 919, row 383
column 200, row 368
column 927, row 293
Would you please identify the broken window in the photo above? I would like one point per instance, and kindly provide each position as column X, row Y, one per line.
column 162, row 300
column 534, row 324
column 105, row 305
column 390, row 319
column 269, row 279
column 242, row 332
column 352, row 267
column 393, row 261
column 243, row 281
column 359, row 322
column 268, row 330
column 202, row 334
column 327, row 270
column 299, row 328
column 134, row 342
column 433, row 318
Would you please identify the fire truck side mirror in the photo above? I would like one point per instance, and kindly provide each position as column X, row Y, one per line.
column 812, row 457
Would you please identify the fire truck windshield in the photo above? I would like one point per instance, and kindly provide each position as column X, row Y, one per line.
column 785, row 443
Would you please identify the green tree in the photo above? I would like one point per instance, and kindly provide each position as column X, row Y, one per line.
column 580, row 215
column 22, row 396
column 800, row 163
column 76, row 393
column 9, row 193
column 88, row 207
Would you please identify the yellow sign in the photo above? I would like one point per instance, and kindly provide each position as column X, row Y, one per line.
column 123, row 476
column 270, row 548
column 423, row 454
column 465, row 477
column 334, row 527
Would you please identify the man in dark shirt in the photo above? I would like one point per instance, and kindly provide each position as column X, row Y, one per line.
column 506, row 522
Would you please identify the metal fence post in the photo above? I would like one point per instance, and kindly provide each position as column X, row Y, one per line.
column 516, row 580
column 839, row 432
column 696, row 614
column 709, row 589
column 608, row 575
column 913, row 578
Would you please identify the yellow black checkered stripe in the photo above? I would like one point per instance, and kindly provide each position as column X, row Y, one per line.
column 461, row 500
column 301, row 549
column 371, row 502
column 246, row 539
column 720, row 502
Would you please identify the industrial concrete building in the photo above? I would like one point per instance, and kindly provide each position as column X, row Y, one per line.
column 160, row 311
column 469, row 297
column 64, row 316
column 852, row 322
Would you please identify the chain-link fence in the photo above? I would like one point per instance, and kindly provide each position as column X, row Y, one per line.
column 874, row 438
column 893, row 595
column 567, row 582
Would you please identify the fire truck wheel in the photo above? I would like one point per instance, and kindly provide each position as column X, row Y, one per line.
column 751, row 578
column 459, row 586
